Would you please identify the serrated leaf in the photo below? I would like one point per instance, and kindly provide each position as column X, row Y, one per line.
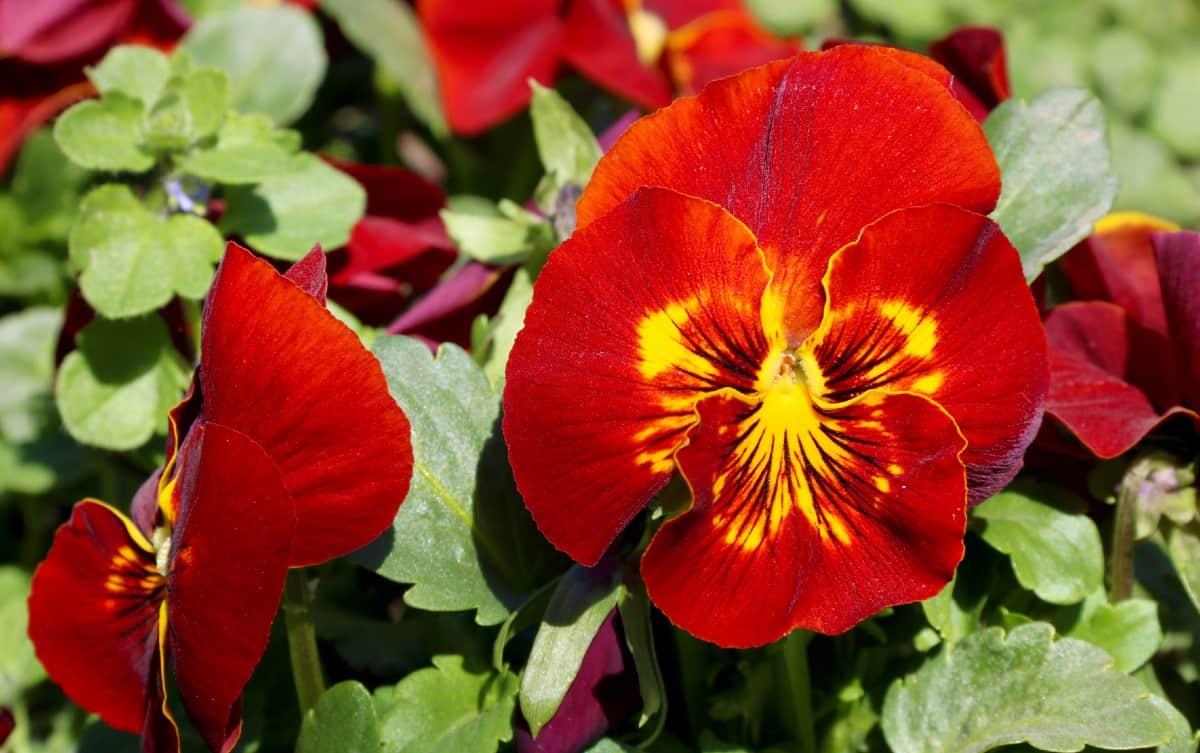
column 581, row 602
column 565, row 143
column 1056, row 170
column 1128, row 631
column 342, row 722
column 249, row 149
column 19, row 668
column 114, row 391
column 104, row 134
column 286, row 215
column 450, row 708
column 135, row 71
column 462, row 537
column 1055, row 548
column 1183, row 546
column 391, row 35
column 274, row 57
column 133, row 261
column 993, row 689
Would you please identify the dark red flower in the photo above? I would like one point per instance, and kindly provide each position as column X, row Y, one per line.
column 485, row 53
column 7, row 724
column 808, row 316
column 1128, row 360
column 288, row 451
column 974, row 55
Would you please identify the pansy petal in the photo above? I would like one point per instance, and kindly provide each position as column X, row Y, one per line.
column 445, row 314
column 393, row 191
column 486, row 53
column 807, row 152
column 633, row 319
column 809, row 516
column 309, row 274
column 52, row 31
column 718, row 45
column 93, row 614
column 228, row 561
column 1178, row 256
column 932, row 300
column 1116, row 263
column 599, row 43
column 278, row 367
column 975, row 55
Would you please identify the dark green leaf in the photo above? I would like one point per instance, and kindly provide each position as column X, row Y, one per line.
column 636, row 614
column 450, row 708
column 46, row 187
column 1054, row 546
column 1057, row 173
column 993, row 689
column 104, row 134
column 462, row 536
column 274, row 57
column 1183, row 545
column 343, row 722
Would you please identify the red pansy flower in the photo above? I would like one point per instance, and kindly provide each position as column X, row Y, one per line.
column 1125, row 362
column 807, row 315
column 7, row 724
column 288, row 452
column 485, row 53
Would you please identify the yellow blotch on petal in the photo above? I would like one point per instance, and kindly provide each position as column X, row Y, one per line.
column 649, row 34
column 918, row 327
column 930, row 383
column 662, row 346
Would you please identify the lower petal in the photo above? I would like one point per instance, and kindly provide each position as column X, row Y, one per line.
column 809, row 517
column 93, row 615
column 228, row 563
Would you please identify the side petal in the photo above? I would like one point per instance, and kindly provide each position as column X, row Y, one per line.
column 393, row 191
column 93, row 615
column 975, row 55
column 279, row 368
column 633, row 320
column 1178, row 256
column 485, row 54
column 806, row 152
column 229, row 558
column 598, row 42
column 445, row 313
column 932, row 300
column 809, row 517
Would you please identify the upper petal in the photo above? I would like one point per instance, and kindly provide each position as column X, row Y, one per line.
column 633, row 319
column 279, row 368
column 93, row 615
column 809, row 516
column 806, row 152
column 721, row 44
column 932, row 300
column 1178, row 256
column 228, row 560
column 599, row 43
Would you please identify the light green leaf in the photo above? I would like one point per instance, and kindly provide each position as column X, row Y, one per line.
column 104, row 134
column 1056, row 170
column 27, row 342
column 450, row 708
column 19, row 668
column 286, row 215
column 1126, row 69
column 249, row 149
column 114, row 391
column 485, row 233
column 1183, row 740
column 462, row 537
column 956, row 610
column 505, row 325
column 133, row 261
column 135, row 71
column 565, row 143
column 1128, row 631
column 580, row 604
column 46, row 186
column 1175, row 107
column 1055, row 548
column 390, row 33
column 1183, row 546
column 274, row 57
column 343, row 722
column 993, row 689
column 206, row 93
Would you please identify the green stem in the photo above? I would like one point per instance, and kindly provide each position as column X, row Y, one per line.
column 794, row 648
column 689, row 654
column 302, row 640
column 1124, row 525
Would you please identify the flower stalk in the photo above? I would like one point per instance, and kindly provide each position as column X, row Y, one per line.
column 302, row 640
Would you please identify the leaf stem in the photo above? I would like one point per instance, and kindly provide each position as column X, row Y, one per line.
column 302, row 640
column 1124, row 525
column 794, row 648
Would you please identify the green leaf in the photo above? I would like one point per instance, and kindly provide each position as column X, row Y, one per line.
column 27, row 342
column 1055, row 548
column 1126, row 68
column 206, row 94
column 636, row 614
column 274, row 57
column 565, row 143
column 1183, row 546
column 114, row 391
column 993, row 689
column 342, row 722
column 286, row 215
column 581, row 602
column 491, row 235
column 1128, row 631
column 134, row 261
column 957, row 609
column 390, row 33
column 450, row 708
column 104, row 134
column 488, row 555
column 1057, row 173
column 249, row 149
column 503, row 329
column 1175, row 107
column 19, row 668
column 135, row 71
column 46, row 187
